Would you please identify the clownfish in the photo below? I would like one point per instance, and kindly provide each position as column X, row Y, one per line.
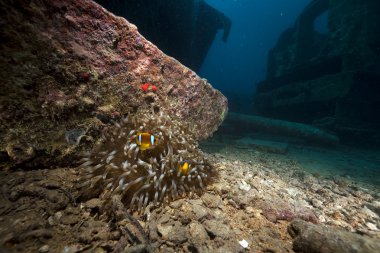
column 145, row 140
column 183, row 168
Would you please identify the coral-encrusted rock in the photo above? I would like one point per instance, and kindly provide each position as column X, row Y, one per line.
column 68, row 68
column 322, row 239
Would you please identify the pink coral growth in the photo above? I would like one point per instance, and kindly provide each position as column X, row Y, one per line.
column 53, row 95
column 299, row 213
column 285, row 215
column 290, row 214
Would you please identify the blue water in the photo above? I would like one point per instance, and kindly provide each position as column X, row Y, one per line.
column 236, row 66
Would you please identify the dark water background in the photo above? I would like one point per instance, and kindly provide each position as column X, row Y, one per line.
column 236, row 66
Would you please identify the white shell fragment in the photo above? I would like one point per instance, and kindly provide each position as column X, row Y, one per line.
column 243, row 243
column 244, row 186
column 372, row 226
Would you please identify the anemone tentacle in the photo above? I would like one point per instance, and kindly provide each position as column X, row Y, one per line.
column 153, row 175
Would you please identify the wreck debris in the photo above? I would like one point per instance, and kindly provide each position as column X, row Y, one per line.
column 314, row 76
column 305, row 132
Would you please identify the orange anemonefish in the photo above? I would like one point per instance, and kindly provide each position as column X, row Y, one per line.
column 145, row 140
column 183, row 167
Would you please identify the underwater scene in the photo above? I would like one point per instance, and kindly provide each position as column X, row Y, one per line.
column 134, row 126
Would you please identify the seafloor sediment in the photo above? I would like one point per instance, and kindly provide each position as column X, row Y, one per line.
column 255, row 199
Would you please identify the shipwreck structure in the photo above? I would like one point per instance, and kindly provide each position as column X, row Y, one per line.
column 184, row 30
column 330, row 80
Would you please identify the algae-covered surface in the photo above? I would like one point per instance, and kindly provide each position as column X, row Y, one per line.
column 256, row 197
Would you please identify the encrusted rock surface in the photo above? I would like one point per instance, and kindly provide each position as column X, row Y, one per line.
column 68, row 68
column 321, row 239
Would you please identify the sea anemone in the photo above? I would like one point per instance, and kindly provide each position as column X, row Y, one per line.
column 156, row 175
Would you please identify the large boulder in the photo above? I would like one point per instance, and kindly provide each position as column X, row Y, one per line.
column 69, row 68
column 313, row 238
